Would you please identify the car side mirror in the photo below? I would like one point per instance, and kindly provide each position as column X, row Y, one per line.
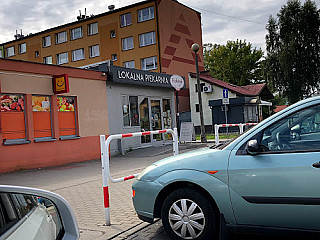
column 252, row 147
column 35, row 212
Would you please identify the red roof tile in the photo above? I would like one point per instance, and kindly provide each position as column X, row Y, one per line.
column 279, row 108
column 248, row 90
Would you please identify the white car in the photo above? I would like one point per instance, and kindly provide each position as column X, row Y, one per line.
column 27, row 213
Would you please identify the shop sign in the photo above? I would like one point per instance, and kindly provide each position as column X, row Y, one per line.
column 139, row 77
column 177, row 82
column 60, row 84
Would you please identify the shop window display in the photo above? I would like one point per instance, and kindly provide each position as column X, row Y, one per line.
column 13, row 117
column 67, row 116
column 41, row 110
column 130, row 112
column 134, row 114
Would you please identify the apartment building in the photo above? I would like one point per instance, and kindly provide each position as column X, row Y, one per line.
column 153, row 35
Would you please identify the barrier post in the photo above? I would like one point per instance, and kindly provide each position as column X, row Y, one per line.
column 105, row 170
column 175, row 142
column 216, row 133
column 241, row 128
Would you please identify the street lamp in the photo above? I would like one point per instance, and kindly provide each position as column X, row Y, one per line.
column 195, row 48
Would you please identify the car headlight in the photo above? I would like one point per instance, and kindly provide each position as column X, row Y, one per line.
column 146, row 170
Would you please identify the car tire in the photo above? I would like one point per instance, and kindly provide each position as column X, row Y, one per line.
column 188, row 214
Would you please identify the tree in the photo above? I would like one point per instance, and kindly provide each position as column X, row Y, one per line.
column 236, row 62
column 292, row 65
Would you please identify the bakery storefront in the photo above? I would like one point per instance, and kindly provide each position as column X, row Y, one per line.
column 141, row 101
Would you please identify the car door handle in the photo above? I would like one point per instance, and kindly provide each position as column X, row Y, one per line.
column 316, row 165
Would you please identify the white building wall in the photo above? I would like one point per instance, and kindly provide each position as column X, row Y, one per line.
column 216, row 93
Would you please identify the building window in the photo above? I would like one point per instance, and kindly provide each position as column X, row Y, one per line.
column 112, row 34
column 149, row 63
column 62, row 58
column 126, row 19
column 114, row 57
column 147, row 39
column 47, row 60
column 22, row 48
column 41, row 109
column 67, row 116
column 77, row 54
column 94, row 51
column 36, row 54
column 1, row 53
column 92, row 28
column 61, row 37
column 145, row 14
column 197, row 108
column 127, row 43
column 10, row 51
column 76, row 33
column 13, row 117
column 46, row 41
column 129, row 64
column 130, row 111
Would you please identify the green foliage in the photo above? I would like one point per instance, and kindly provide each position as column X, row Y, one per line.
column 292, row 63
column 236, row 62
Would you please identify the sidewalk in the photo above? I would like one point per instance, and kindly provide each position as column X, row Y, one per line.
column 81, row 185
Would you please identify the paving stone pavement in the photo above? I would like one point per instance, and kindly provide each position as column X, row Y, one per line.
column 81, row 185
column 153, row 231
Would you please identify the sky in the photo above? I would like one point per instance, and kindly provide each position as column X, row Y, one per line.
column 222, row 20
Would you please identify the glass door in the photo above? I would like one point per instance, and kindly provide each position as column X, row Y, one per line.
column 167, row 118
column 144, row 119
column 156, row 119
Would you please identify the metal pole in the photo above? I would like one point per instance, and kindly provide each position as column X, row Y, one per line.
column 177, row 102
column 225, row 114
column 202, row 130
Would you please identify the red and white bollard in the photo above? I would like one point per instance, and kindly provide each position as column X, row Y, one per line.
column 105, row 161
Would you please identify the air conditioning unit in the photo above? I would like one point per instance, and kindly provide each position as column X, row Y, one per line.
column 207, row 89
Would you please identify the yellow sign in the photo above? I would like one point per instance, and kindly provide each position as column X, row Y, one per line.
column 60, row 84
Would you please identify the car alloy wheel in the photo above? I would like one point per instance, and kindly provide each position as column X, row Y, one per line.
column 187, row 214
column 186, row 219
